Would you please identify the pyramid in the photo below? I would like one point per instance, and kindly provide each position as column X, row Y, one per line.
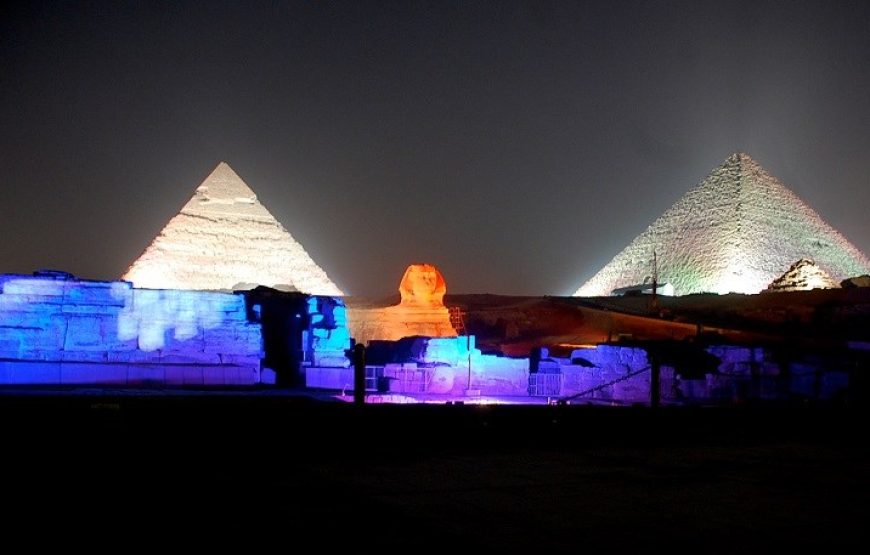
column 803, row 276
column 223, row 239
column 737, row 231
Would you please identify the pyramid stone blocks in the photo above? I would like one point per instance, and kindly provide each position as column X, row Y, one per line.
column 737, row 231
column 225, row 239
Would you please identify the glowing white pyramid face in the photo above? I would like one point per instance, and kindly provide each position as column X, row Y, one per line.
column 736, row 232
column 223, row 238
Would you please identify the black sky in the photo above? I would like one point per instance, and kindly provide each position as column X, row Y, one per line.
column 518, row 146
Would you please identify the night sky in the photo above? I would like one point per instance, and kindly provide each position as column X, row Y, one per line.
column 518, row 147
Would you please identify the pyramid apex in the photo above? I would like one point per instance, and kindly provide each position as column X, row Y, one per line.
column 740, row 157
column 224, row 184
column 223, row 169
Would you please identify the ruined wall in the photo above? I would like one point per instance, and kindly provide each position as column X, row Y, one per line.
column 606, row 374
column 327, row 339
column 68, row 331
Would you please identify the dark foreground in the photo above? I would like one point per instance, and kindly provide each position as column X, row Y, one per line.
column 118, row 473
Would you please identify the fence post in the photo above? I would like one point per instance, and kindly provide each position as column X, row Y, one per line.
column 359, row 374
column 655, row 384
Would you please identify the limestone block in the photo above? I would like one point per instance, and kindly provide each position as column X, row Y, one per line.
column 41, row 339
column 217, row 375
column 84, row 373
column 233, row 375
column 10, row 341
column 195, row 344
column 30, row 304
column 729, row 354
column 331, row 360
column 29, row 372
column 339, row 315
column 246, row 359
column 37, row 319
column 329, row 378
column 393, row 370
column 632, row 390
column 84, row 356
column 88, row 309
column 249, row 375
column 223, row 341
column 26, row 285
column 443, row 378
column 173, row 375
column 268, row 376
column 194, row 375
column 441, row 350
column 94, row 334
column 169, row 357
column 95, row 294
column 145, row 374
column 132, row 356
column 338, row 338
column 495, row 375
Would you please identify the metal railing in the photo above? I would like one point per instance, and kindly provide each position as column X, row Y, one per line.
column 545, row 385
column 599, row 387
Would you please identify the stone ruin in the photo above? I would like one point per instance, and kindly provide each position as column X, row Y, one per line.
column 803, row 275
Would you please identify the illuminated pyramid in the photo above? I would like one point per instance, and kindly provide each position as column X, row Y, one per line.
column 803, row 276
column 223, row 238
column 737, row 231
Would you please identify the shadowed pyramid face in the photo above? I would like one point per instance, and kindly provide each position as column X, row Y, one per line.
column 737, row 231
column 222, row 237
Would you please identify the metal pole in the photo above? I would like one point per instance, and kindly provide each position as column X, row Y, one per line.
column 468, row 348
column 359, row 374
column 655, row 385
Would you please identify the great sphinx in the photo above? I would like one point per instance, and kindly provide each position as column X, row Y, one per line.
column 421, row 310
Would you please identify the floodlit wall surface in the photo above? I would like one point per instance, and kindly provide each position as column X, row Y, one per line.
column 327, row 340
column 606, row 374
column 66, row 331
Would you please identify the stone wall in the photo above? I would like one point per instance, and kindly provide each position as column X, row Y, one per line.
column 327, row 339
column 59, row 330
column 610, row 374
column 606, row 373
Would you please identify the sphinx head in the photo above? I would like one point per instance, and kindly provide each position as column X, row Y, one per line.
column 422, row 285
